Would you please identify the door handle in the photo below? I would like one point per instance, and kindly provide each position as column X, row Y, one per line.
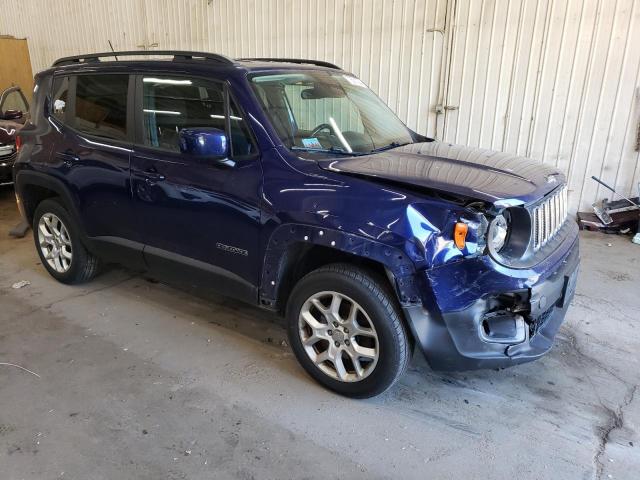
column 151, row 178
column 68, row 157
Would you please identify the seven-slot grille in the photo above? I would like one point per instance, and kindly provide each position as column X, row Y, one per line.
column 548, row 217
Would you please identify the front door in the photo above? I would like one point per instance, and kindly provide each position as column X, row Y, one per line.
column 200, row 216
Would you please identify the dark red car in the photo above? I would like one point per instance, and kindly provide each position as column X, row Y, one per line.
column 13, row 115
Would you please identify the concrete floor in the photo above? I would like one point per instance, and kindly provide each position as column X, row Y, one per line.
column 139, row 380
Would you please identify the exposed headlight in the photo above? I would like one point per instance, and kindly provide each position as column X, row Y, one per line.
column 498, row 232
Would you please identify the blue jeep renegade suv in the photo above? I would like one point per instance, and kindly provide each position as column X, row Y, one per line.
column 289, row 184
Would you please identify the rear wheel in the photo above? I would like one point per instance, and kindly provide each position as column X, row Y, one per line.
column 59, row 246
column 346, row 331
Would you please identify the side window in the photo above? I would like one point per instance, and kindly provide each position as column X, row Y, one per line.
column 173, row 103
column 241, row 142
column 101, row 105
column 14, row 101
column 60, row 98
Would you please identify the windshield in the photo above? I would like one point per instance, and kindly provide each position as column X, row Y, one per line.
column 327, row 111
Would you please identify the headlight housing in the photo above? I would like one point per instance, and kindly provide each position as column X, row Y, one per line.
column 509, row 235
column 498, row 232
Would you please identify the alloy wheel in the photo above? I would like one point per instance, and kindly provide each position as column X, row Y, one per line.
column 55, row 242
column 338, row 336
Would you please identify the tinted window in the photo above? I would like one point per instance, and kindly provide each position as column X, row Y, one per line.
column 241, row 143
column 173, row 103
column 14, row 101
column 60, row 97
column 101, row 105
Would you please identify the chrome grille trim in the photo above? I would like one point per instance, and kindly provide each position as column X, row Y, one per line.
column 548, row 217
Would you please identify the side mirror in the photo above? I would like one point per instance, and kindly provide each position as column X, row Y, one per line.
column 12, row 115
column 204, row 142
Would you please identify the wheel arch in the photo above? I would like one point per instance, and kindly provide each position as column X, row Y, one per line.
column 34, row 187
column 294, row 250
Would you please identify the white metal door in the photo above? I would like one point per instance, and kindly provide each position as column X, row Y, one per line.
column 552, row 80
column 394, row 46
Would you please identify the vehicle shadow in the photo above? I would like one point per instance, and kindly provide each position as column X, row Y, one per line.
column 552, row 388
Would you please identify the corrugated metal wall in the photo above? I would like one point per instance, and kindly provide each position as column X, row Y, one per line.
column 557, row 80
column 554, row 80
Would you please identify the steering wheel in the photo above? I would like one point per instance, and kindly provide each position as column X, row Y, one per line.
column 319, row 128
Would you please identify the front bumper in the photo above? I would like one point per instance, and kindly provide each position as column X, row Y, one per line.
column 470, row 319
column 6, row 167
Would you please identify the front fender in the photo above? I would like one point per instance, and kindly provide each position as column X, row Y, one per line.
column 291, row 237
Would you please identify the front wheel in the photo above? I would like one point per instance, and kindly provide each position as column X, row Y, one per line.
column 346, row 331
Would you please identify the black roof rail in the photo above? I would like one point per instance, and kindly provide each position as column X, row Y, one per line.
column 319, row 63
column 177, row 55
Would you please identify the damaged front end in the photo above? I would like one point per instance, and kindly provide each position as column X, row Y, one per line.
column 494, row 254
column 489, row 309
column 497, row 298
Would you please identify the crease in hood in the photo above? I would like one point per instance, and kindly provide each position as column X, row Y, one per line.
column 502, row 179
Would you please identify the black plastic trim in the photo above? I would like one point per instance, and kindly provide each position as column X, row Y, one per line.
column 25, row 178
column 179, row 55
column 300, row 61
column 193, row 273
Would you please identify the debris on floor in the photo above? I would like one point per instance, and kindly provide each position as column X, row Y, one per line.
column 21, row 284
column 618, row 216
column 20, row 230
column 622, row 223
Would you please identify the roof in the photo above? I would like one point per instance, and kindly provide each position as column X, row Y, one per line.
column 181, row 56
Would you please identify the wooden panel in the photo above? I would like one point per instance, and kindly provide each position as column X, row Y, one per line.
column 15, row 67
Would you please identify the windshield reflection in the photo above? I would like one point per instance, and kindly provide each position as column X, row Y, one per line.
column 329, row 112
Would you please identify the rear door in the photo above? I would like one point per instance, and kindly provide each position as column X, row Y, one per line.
column 201, row 217
column 92, row 154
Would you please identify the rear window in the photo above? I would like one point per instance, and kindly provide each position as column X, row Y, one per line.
column 101, row 105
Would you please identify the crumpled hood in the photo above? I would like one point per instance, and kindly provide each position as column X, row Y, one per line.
column 499, row 178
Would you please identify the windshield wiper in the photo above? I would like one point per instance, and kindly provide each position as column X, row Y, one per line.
column 337, row 151
column 389, row 147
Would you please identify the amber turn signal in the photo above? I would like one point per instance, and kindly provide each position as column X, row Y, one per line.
column 460, row 234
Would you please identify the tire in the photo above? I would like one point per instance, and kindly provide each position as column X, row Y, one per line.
column 382, row 351
column 55, row 230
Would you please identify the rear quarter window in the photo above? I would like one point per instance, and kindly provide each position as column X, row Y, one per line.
column 60, row 98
